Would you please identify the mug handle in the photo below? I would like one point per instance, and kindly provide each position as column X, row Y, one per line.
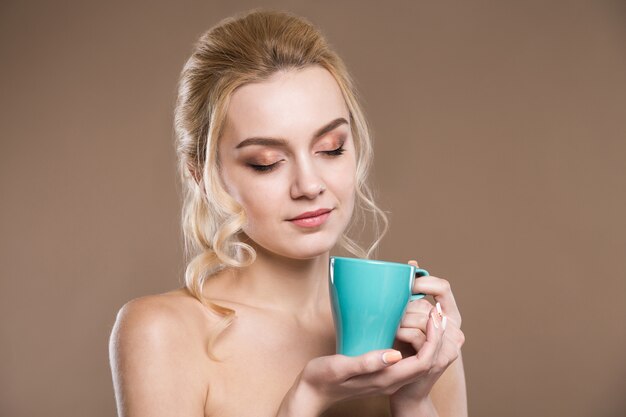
column 420, row 273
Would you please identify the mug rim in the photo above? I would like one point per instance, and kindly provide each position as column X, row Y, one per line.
column 371, row 261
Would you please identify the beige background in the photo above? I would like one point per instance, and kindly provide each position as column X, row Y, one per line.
column 500, row 133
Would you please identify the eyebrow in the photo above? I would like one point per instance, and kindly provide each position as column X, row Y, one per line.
column 283, row 142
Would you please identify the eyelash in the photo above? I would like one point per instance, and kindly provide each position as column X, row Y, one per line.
column 267, row 168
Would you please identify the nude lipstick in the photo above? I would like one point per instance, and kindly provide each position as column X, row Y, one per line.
column 311, row 218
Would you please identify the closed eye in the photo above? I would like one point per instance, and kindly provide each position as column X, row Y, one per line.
column 263, row 168
column 335, row 152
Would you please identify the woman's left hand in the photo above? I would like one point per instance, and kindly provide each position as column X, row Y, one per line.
column 412, row 335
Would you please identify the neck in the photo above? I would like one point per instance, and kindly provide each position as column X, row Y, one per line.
column 279, row 283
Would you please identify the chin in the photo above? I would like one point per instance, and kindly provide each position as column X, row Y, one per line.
column 304, row 249
column 308, row 253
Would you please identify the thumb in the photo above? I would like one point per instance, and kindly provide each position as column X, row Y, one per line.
column 370, row 362
column 413, row 262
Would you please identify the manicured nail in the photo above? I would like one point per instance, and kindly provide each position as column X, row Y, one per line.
column 444, row 322
column 391, row 357
column 435, row 321
column 439, row 310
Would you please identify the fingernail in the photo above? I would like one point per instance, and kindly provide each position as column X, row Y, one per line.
column 439, row 309
column 444, row 322
column 435, row 321
column 391, row 357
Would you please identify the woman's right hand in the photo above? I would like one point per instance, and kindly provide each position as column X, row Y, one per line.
column 329, row 379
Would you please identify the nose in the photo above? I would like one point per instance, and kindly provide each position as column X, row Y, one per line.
column 307, row 181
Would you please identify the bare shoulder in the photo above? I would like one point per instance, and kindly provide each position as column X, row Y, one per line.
column 175, row 319
column 171, row 311
column 157, row 353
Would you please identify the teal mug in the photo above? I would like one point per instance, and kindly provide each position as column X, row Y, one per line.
column 368, row 300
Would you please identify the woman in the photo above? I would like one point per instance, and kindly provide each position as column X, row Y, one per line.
column 273, row 151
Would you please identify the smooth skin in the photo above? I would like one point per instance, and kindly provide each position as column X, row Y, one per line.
column 278, row 356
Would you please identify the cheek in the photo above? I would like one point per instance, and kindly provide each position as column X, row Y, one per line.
column 250, row 191
column 345, row 180
column 262, row 201
column 349, row 198
column 344, row 188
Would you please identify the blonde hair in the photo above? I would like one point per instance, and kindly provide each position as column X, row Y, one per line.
column 238, row 50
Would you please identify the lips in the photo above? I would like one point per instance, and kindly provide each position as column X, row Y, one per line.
column 310, row 214
column 318, row 218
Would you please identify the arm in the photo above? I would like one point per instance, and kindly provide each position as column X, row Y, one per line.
column 300, row 401
column 153, row 372
column 447, row 398
column 449, row 394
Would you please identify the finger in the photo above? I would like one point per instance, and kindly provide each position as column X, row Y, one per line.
column 441, row 291
column 434, row 337
column 414, row 262
column 454, row 335
column 367, row 363
column 419, row 306
column 415, row 337
column 452, row 341
column 432, row 285
column 415, row 321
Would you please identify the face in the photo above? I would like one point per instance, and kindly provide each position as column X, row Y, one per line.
column 287, row 150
